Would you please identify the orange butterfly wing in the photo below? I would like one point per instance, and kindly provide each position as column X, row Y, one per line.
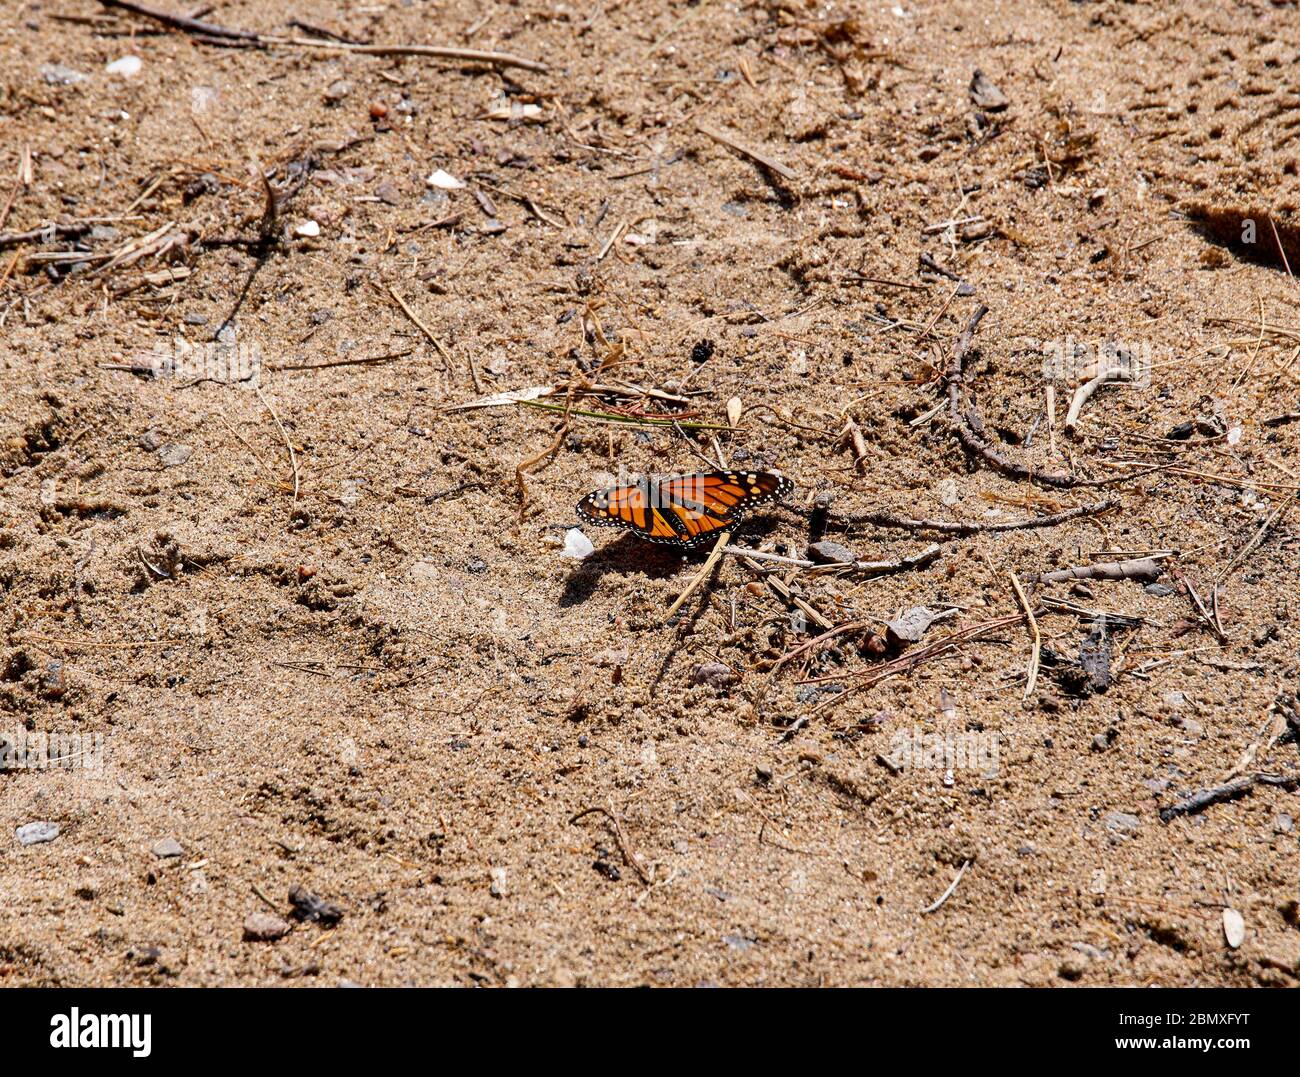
column 627, row 506
column 683, row 510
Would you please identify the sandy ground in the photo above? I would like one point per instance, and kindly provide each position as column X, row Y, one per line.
column 367, row 673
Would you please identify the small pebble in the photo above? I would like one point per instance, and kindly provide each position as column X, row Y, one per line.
column 1073, row 968
column 713, row 674
column 264, row 927
column 1234, row 928
column 307, row 906
column 1121, row 822
column 35, row 833
column 830, row 553
column 58, row 75
column 127, row 67
column 985, row 95
column 497, row 888
column 576, row 545
column 909, row 626
column 174, row 455
column 443, row 181
column 702, row 351
column 166, row 848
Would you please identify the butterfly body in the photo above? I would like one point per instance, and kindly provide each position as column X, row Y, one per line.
column 683, row 510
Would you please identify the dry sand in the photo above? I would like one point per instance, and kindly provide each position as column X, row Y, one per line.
column 389, row 689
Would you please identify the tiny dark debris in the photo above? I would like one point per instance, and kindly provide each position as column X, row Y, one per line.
column 312, row 909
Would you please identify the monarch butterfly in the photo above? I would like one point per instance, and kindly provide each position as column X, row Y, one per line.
column 683, row 510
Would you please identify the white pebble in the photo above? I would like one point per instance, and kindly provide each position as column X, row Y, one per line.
column 128, row 67
column 1234, row 928
column 444, row 181
column 576, row 545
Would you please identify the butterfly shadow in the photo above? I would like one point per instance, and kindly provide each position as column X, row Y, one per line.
column 626, row 554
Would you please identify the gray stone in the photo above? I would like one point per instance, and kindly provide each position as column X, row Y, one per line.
column 174, row 455
column 168, row 847
column 1095, row 657
column 1121, row 822
column 58, row 75
column 909, row 626
column 35, row 833
column 830, row 553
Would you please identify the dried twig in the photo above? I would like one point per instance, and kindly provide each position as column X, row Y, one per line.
column 969, row 424
column 23, row 179
column 712, row 560
column 1084, row 393
column 428, row 333
column 867, row 568
column 781, row 590
column 1274, row 420
column 949, row 892
column 1035, row 655
column 1142, row 568
column 903, row 523
column 914, row 657
column 1198, row 604
column 209, row 32
column 770, row 163
column 1259, row 535
column 629, row 854
column 1203, row 798
column 852, row 434
column 293, row 456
